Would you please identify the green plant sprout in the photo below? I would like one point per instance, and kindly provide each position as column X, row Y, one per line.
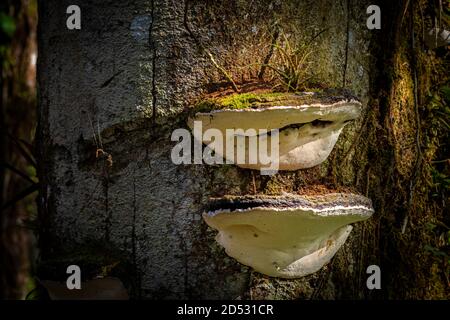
column 292, row 70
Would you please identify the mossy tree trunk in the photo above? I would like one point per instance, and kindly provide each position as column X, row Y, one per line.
column 121, row 84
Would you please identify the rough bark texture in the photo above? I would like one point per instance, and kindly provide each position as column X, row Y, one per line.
column 126, row 77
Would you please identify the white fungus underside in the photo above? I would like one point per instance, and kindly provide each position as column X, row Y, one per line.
column 285, row 242
column 302, row 156
column 299, row 148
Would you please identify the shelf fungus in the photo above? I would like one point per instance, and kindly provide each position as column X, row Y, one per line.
column 285, row 131
column 287, row 236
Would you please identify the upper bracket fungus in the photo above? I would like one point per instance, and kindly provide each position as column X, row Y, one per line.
column 305, row 126
column 287, row 236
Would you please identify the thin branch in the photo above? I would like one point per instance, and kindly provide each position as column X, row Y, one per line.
column 93, row 130
column 441, row 161
column 314, row 37
column 17, row 171
column 21, row 195
column 99, row 136
column 222, row 70
column 19, row 144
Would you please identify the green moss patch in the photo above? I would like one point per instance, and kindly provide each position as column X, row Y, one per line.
column 253, row 100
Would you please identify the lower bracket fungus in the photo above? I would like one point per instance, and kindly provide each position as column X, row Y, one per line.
column 287, row 236
column 306, row 126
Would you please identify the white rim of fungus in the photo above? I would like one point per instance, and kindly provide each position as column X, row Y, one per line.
column 351, row 102
column 320, row 212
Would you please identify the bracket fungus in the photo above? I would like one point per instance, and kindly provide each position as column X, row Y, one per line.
column 287, row 236
column 307, row 125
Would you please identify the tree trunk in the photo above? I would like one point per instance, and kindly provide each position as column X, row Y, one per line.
column 122, row 83
column 17, row 123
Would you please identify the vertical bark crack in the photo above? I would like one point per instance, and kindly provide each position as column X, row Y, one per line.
column 133, row 240
column 153, row 49
column 107, row 211
column 344, row 77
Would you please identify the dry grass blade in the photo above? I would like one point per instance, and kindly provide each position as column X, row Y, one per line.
column 292, row 67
